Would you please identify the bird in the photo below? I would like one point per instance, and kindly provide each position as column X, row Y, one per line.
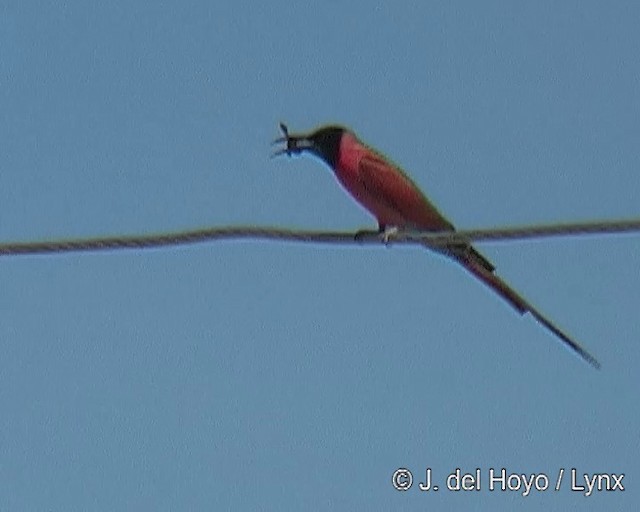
column 397, row 203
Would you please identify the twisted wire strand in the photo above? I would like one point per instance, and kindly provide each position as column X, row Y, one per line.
column 195, row 236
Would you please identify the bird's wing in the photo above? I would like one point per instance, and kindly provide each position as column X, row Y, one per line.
column 387, row 183
column 391, row 185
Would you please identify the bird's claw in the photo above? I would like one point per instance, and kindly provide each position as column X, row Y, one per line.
column 384, row 234
column 387, row 234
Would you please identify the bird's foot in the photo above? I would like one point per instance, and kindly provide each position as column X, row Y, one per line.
column 384, row 233
column 388, row 233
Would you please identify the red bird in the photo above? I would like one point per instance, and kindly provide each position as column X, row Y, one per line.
column 397, row 203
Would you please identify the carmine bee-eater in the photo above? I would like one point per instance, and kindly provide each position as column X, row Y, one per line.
column 397, row 203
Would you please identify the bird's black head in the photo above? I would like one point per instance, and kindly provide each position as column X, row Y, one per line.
column 323, row 142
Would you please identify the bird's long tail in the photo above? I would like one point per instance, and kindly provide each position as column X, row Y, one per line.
column 481, row 268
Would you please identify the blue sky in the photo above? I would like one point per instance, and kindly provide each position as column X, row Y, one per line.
column 273, row 376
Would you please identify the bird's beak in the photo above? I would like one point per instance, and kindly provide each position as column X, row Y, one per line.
column 295, row 144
